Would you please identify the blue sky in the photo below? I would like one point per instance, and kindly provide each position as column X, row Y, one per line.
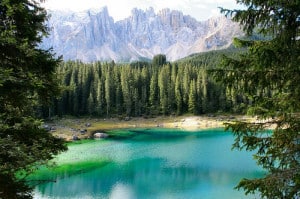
column 119, row 9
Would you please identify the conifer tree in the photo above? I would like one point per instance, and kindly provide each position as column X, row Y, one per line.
column 159, row 60
column 192, row 98
column 163, row 83
column 153, row 98
column 269, row 74
column 204, row 92
column 145, row 89
column 27, row 79
column 178, row 95
column 126, row 83
column 100, row 98
column 108, row 92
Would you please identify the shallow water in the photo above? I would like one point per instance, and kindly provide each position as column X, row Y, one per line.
column 151, row 163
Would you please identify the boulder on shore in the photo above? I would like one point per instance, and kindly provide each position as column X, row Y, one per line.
column 75, row 137
column 100, row 135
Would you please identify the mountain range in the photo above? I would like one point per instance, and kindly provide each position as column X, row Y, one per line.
column 93, row 35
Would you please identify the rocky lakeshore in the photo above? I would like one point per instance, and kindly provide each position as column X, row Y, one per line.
column 72, row 129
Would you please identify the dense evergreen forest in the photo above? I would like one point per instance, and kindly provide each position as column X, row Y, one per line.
column 144, row 88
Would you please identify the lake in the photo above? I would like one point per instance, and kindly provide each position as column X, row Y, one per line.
column 150, row 163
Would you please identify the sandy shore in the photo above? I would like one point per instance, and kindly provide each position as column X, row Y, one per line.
column 84, row 128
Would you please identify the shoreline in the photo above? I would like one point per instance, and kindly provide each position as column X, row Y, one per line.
column 84, row 128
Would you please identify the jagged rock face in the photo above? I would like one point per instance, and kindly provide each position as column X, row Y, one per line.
column 94, row 36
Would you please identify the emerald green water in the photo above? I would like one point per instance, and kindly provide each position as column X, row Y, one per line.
column 152, row 163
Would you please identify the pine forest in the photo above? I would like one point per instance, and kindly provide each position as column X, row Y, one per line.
column 106, row 89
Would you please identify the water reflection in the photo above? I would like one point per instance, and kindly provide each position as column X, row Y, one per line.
column 200, row 165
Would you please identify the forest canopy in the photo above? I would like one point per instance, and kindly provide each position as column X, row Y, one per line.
column 145, row 89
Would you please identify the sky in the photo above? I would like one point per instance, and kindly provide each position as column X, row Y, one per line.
column 120, row 9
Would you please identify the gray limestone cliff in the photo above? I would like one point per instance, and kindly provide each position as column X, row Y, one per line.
column 93, row 35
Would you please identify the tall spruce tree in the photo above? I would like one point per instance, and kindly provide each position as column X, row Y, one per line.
column 27, row 79
column 269, row 74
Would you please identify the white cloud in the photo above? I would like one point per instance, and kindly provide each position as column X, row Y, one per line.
column 119, row 9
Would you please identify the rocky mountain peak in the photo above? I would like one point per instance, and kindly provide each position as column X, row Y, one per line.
column 94, row 35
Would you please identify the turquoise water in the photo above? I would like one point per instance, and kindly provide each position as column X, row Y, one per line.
column 153, row 163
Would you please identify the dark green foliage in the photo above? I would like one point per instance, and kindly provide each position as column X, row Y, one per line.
column 269, row 75
column 27, row 79
column 159, row 60
column 210, row 59
column 102, row 89
column 140, row 64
